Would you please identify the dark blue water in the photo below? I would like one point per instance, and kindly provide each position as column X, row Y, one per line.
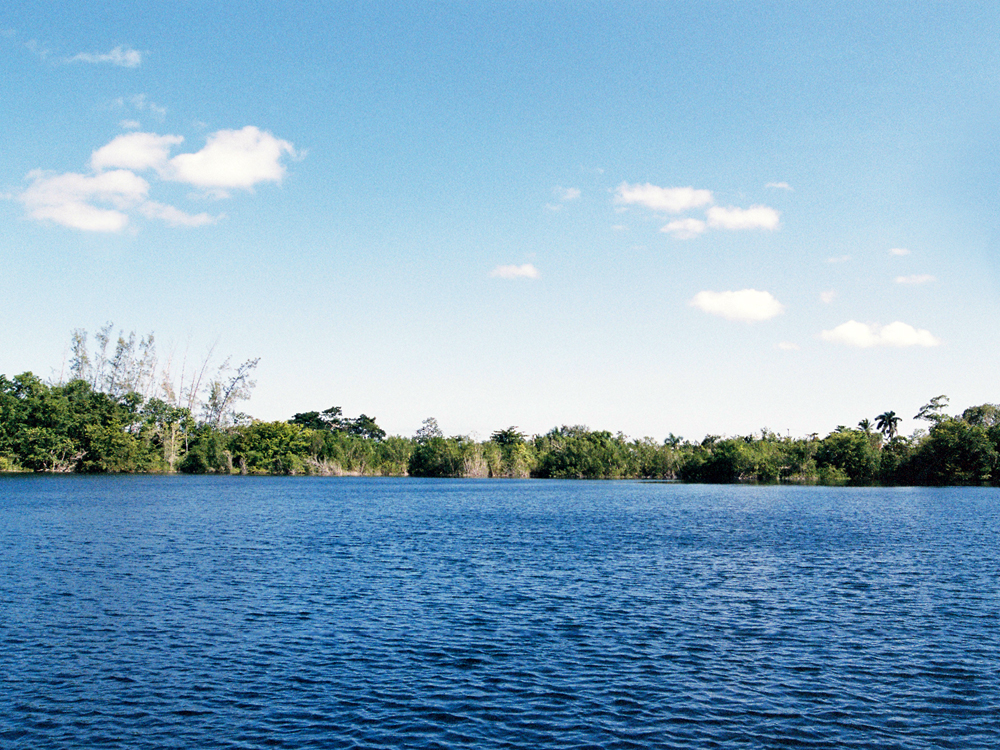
column 179, row 612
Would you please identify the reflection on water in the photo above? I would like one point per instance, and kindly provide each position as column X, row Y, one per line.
column 148, row 612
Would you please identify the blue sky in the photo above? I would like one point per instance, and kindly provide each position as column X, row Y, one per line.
column 649, row 217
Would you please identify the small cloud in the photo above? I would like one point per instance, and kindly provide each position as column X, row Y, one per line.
column 68, row 199
column 618, row 227
column 673, row 200
column 232, row 159
column 898, row 251
column 839, row 259
column 755, row 217
column 592, row 170
column 554, row 206
column 779, row 185
column 564, row 195
column 135, row 151
column 685, row 229
column 130, row 124
column 866, row 335
column 123, row 57
column 747, row 304
column 34, row 47
column 174, row 216
column 917, row 278
column 827, row 297
column 140, row 103
column 527, row 271
column 788, row 346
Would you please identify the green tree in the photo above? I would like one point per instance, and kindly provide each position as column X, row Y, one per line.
column 852, row 452
column 887, row 423
column 955, row 453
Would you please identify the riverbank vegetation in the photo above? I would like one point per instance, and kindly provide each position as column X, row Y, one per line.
column 119, row 413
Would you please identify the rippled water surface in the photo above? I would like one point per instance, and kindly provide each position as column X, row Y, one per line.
column 161, row 612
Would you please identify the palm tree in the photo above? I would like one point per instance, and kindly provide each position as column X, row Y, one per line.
column 887, row 423
column 865, row 425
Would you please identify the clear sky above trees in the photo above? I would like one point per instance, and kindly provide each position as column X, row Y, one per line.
column 655, row 217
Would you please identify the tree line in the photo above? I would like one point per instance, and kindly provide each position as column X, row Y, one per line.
column 120, row 411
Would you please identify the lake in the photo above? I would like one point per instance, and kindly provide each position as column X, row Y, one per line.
column 242, row 612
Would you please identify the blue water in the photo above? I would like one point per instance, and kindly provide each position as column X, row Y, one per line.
column 234, row 612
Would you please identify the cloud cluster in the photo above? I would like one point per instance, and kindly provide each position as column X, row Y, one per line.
column 747, row 304
column 100, row 201
column 527, row 271
column 867, row 335
column 678, row 200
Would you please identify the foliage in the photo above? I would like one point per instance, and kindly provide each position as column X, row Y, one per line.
column 77, row 427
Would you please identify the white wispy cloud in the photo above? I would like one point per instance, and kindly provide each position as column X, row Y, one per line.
column 788, row 346
column 898, row 251
column 917, row 278
column 100, row 202
column 828, row 296
column 122, row 56
column 565, row 194
column 674, row 200
column 174, row 216
column 755, row 217
column 839, row 259
column 866, row 335
column 38, row 49
column 685, row 229
column 746, row 305
column 139, row 103
column 526, row 271
column 779, row 185
column 69, row 199
column 130, row 124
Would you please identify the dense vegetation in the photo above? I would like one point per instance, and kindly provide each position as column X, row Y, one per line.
column 113, row 415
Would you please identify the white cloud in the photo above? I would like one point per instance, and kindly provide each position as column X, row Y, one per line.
column 917, row 278
column 746, row 304
column 123, row 57
column 527, row 271
column 788, row 346
column 755, row 217
column 566, row 194
column 35, row 48
column 174, row 216
column 672, row 200
column 828, row 296
column 898, row 251
column 779, row 185
column 866, row 335
column 685, row 229
column 68, row 199
column 140, row 103
column 136, row 151
column 130, row 124
column 232, row 159
column 839, row 259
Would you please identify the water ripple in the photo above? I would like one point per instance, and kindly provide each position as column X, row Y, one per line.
column 351, row 613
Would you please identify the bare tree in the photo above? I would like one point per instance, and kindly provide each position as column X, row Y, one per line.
column 226, row 390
